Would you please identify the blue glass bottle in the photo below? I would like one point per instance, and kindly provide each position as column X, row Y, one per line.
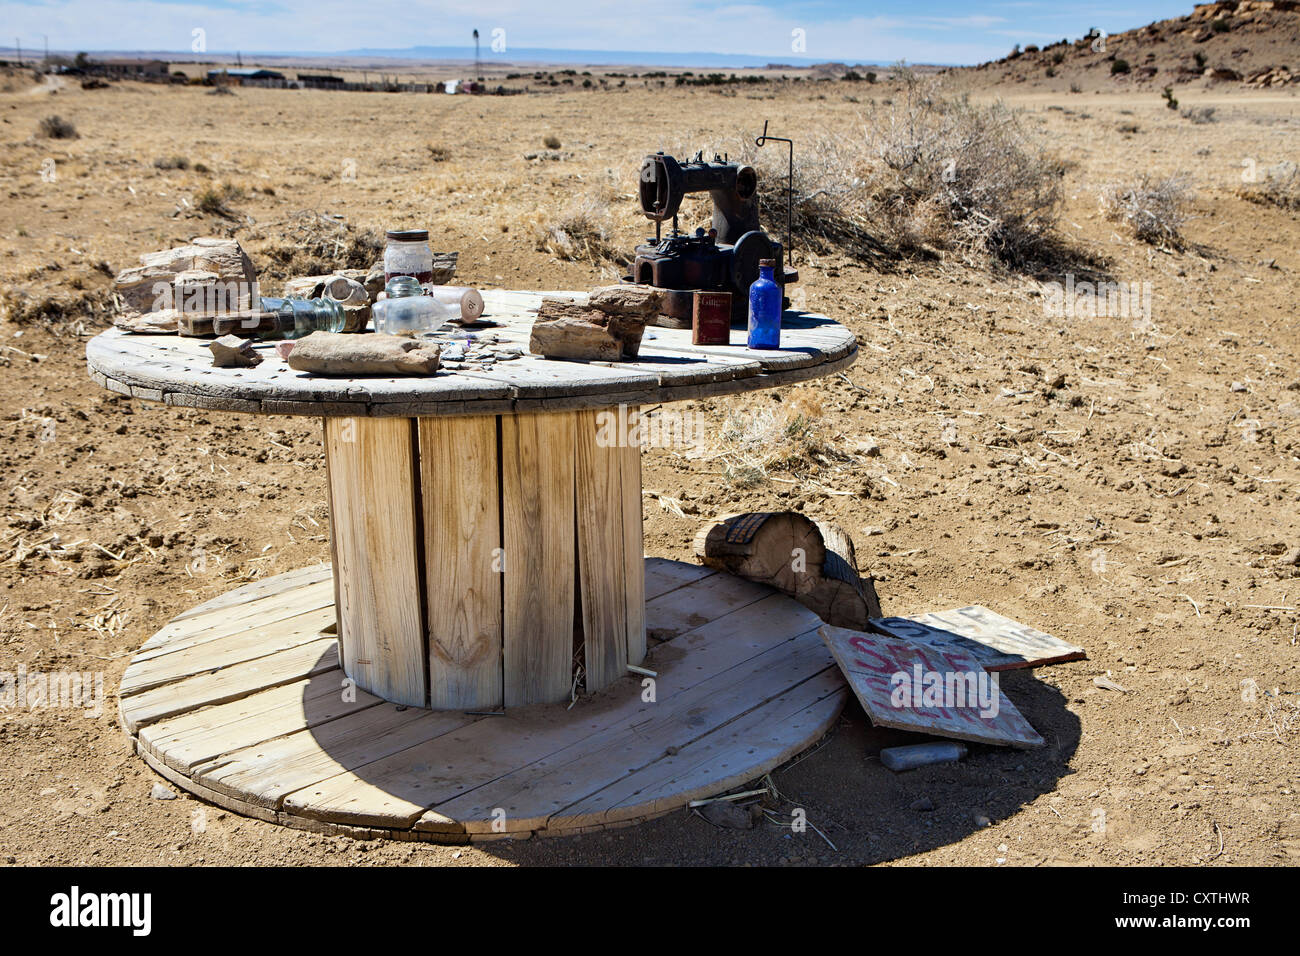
column 765, row 309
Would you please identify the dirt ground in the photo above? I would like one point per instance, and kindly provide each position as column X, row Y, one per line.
column 1130, row 485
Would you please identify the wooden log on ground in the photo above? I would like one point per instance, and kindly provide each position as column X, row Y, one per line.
column 812, row 561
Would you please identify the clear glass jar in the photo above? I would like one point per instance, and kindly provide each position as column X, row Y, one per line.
column 406, row 310
column 407, row 254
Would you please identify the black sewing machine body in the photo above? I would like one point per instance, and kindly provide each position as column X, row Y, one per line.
column 723, row 258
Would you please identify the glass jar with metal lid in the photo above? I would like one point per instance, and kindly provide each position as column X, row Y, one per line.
column 407, row 254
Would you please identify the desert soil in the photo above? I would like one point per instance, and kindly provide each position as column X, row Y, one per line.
column 1128, row 485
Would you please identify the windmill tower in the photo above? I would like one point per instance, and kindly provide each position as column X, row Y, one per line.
column 478, row 67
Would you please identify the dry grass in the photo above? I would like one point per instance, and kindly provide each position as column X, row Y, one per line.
column 1279, row 187
column 755, row 442
column 315, row 243
column 582, row 232
column 1154, row 209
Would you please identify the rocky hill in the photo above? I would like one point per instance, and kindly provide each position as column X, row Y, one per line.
column 1252, row 42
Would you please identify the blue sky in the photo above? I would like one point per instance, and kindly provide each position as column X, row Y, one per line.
column 941, row 31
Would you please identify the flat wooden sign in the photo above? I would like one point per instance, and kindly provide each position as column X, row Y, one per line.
column 929, row 690
column 997, row 642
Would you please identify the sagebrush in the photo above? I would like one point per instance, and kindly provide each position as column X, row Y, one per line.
column 1154, row 209
column 921, row 173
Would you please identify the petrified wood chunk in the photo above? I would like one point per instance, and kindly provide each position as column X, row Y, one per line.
column 150, row 286
column 337, row 353
column 230, row 351
column 605, row 325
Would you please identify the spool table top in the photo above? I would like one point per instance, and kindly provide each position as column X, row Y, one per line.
column 178, row 370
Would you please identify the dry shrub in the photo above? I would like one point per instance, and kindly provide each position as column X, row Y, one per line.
column 1154, row 209
column 315, row 243
column 171, row 162
column 1279, row 187
column 792, row 437
column 215, row 200
column 922, row 173
column 59, row 309
column 1200, row 115
column 56, row 127
column 551, row 141
column 582, row 232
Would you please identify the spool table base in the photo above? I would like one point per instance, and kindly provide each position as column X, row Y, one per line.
column 241, row 701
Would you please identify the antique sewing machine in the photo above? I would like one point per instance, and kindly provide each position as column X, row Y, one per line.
column 721, row 258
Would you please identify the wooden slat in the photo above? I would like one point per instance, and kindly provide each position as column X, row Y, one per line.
column 229, row 683
column 663, row 575
column 633, row 551
column 222, row 622
column 264, row 774
column 334, row 546
column 462, row 560
column 258, row 591
column 537, row 487
column 189, row 739
column 252, row 643
column 677, row 612
column 372, row 491
column 601, row 555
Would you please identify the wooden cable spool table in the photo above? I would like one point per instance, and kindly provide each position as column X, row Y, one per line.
column 485, row 530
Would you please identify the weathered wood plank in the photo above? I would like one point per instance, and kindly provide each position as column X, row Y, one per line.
column 997, row 642
column 251, row 643
column 634, row 573
column 223, row 622
column 229, row 683
column 265, row 773
column 663, row 575
column 602, row 572
column 463, row 561
column 193, row 738
column 255, row 592
column 372, row 490
column 678, row 612
column 537, row 488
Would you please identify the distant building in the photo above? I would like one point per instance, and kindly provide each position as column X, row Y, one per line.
column 320, row 81
column 247, row 76
column 130, row 69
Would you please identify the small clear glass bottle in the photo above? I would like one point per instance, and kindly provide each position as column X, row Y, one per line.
column 407, row 254
column 406, row 310
column 765, row 309
column 299, row 317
